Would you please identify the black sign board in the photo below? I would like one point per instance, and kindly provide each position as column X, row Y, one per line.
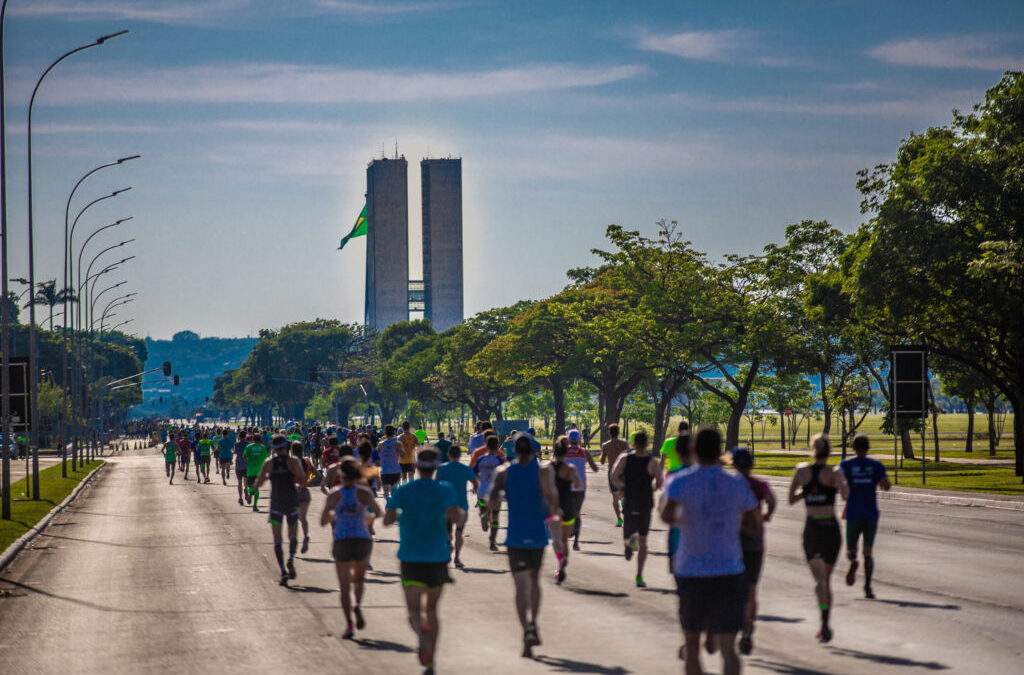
column 908, row 381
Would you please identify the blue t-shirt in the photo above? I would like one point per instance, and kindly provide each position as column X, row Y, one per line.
column 863, row 476
column 509, row 448
column 224, row 447
column 526, row 508
column 422, row 524
column 459, row 475
column 711, row 504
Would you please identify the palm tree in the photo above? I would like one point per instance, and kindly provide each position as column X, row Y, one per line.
column 47, row 294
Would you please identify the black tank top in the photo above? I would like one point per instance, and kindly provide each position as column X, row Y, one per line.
column 638, row 493
column 283, row 493
column 817, row 493
column 564, row 487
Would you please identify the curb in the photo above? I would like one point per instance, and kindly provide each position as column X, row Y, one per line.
column 8, row 556
column 928, row 497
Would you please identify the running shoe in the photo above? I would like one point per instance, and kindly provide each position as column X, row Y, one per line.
column 254, row 509
column 305, row 545
column 493, row 546
column 824, row 634
column 533, row 635
column 640, row 583
column 360, row 621
column 868, row 593
column 618, row 523
column 851, row 575
column 284, row 579
column 240, row 502
column 628, row 552
column 459, row 564
column 575, row 546
column 746, row 645
column 349, row 633
column 291, row 569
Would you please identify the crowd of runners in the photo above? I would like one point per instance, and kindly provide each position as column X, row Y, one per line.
column 716, row 517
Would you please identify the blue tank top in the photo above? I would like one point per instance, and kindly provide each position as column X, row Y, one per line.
column 350, row 515
column 526, row 509
column 389, row 456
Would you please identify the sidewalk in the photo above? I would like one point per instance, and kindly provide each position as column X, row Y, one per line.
column 878, row 453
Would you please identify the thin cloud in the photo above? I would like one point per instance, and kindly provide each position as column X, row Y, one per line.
column 178, row 12
column 345, row 7
column 722, row 45
column 978, row 52
column 301, row 84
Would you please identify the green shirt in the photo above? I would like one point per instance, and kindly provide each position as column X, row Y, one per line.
column 204, row 447
column 443, row 446
column 295, row 437
column 255, row 455
column 170, row 452
column 420, row 435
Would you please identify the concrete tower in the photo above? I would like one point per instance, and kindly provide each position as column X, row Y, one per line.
column 387, row 242
column 442, row 241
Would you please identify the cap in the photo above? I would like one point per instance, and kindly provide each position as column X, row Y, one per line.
column 742, row 457
column 575, row 436
column 531, row 431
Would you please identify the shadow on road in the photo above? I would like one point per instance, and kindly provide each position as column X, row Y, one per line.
column 662, row 591
column 784, row 668
column 604, row 553
column 371, row 580
column 482, row 570
column 383, row 645
column 779, row 619
column 911, row 604
column 887, row 659
column 315, row 560
column 310, row 589
column 560, row 665
column 590, row 591
column 381, row 573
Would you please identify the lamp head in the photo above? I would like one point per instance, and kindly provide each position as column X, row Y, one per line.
column 128, row 159
column 103, row 39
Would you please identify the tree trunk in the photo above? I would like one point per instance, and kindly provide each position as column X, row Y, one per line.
column 732, row 431
column 990, row 408
column 1017, row 401
column 782, row 429
column 826, row 405
column 969, row 445
column 558, row 395
column 659, row 424
column 842, row 430
column 907, row 442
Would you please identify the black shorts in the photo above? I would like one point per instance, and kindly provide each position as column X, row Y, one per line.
column 425, row 574
column 822, row 539
column 224, row 462
column 390, row 478
column 714, row 604
column 752, row 563
column 204, row 459
column 407, row 468
column 239, row 472
column 304, row 495
column 169, row 465
column 638, row 523
column 250, row 480
column 525, row 559
column 352, row 549
column 278, row 516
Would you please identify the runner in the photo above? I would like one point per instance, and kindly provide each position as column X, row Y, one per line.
column 579, row 458
column 531, row 494
column 637, row 475
column 476, row 439
column 298, row 452
column 407, row 451
column 423, row 508
column 482, row 450
column 443, row 445
column 753, row 542
column 863, row 476
column 816, row 484
column 202, row 461
column 255, row 455
column 610, row 451
column 284, row 473
column 224, row 448
column 345, row 509
column 459, row 475
column 170, row 460
column 566, row 479
column 485, row 467
column 390, row 467
column 710, row 507
column 240, row 464
column 674, row 458
column 185, row 454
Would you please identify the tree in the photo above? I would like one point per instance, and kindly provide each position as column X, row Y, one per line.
column 951, row 205
column 48, row 295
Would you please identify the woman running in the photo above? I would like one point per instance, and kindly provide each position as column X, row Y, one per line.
column 817, row 484
column 566, row 480
column 298, row 452
column 346, row 508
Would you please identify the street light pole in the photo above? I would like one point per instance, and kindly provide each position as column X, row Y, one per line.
column 33, row 374
column 116, row 302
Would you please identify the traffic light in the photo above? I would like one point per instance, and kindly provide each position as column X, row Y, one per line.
column 314, row 374
column 167, row 368
column 177, row 380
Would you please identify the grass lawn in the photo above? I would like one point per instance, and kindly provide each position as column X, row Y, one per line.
column 53, row 489
column 941, row 476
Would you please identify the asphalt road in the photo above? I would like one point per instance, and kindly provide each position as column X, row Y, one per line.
column 140, row 576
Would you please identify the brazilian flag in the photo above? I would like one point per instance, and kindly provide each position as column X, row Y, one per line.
column 358, row 230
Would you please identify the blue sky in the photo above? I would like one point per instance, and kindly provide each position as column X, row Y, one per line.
column 256, row 120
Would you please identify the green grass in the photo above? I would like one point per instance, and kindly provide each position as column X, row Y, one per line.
column 940, row 476
column 53, row 489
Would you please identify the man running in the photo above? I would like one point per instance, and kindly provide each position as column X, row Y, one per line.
column 170, row 459
column 185, row 454
column 476, row 439
column 255, row 455
column 610, row 451
column 579, row 458
column 752, row 542
column 284, row 473
column 710, row 507
column 443, row 445
column 224, row 451
column 485, row 467
column 390, row 466
column 460, row 476
column 240, row 464
column 637, row 475
column 346, row 508
column 566, row 479
column 530, row 492
column 407, row 451
column 863, row 477
column 423, row 508
column 298, row 452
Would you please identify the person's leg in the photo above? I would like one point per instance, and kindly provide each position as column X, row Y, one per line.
column 692, row 651
column 869, row 558
column 820, row 571
column 358, row 583
column 303, row 510
column 414, row 606
column 730, row 660
column 522, row 584
column 579, row 496
column 534, row 595
column 344, row 581
column 458, row 544
column 853, row 532
column 293, row 541
column 494, row 514
column 617, row 507
column 433, row 621
column 275, row 528
column 641, row 557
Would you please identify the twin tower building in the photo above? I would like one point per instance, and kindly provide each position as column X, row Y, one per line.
column 390, row 295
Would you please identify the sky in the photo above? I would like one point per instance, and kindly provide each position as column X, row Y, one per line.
column 255, row 121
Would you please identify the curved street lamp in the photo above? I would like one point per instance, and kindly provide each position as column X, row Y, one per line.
column 81, row 251
column 115, row 327
column 33, row 374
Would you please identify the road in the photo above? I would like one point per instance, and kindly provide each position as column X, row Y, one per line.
column 140, row 576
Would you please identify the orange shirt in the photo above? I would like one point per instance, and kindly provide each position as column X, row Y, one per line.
column 407, row 453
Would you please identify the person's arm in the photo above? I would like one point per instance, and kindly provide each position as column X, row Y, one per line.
column 751, row 522
column 365, row 497
column 771, row 502
column 884, row 481
column 264, row 474
column 549, row 491
column 298, row 471
column 794, row 487
column 576, row 482
column 604, row 452
column 590, row 460
column 455, row 515
column 617, row 471
column 476, row 485
column 844, row 489
column 494, row 500
column 326, row 481
column 654, row 469
column 670, row 512
column 390, row 517
column 327, row 516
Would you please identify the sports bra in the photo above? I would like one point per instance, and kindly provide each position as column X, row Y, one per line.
column 817, row 493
